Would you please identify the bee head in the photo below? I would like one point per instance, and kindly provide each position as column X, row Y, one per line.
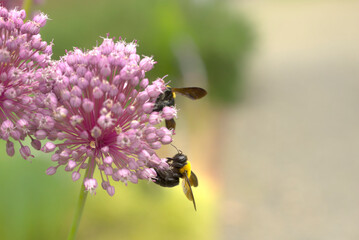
column 180, row 157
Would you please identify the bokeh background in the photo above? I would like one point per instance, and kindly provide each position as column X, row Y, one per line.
column 274, row 144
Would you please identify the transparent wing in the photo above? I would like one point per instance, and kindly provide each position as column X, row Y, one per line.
column 186, row 185
column 191, row 92
column 193, row 180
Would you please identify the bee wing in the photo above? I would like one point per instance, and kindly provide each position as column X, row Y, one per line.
column 193, row 180
column 171, row 124
column 191, row 92
column 186, row 185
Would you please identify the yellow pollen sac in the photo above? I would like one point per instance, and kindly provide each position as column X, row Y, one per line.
column 92, row 144
column 186, row 168
column 173, row 93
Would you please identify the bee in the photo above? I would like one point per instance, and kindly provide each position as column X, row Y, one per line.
column 179, row 168
column 167, row 99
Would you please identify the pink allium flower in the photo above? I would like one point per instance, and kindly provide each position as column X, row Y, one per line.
column 10, row 4
column 102, row 111
column 23, row 54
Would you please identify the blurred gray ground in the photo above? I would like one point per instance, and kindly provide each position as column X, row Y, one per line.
column 291, row 149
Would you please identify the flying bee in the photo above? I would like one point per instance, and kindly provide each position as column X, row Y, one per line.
column 167, row 99
column 179, row 167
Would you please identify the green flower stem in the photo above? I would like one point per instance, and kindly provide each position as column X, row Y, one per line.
column 79, row 209
column 26, row 5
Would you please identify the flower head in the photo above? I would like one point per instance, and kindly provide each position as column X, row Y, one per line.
column 23, row 54
column 101, row 107
column 10, row 4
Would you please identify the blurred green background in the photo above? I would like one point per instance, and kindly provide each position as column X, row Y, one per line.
column 196, row 43
column 165, row 29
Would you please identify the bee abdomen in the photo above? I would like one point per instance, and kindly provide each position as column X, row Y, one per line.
column 167, row 178
column 170, row 182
